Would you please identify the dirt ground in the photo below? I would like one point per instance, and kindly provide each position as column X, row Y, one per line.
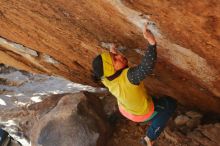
column 130, row 134
column 127, row 133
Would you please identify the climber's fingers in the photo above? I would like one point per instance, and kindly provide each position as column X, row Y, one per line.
column 113, row 48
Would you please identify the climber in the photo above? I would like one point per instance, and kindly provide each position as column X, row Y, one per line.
column 126, row 84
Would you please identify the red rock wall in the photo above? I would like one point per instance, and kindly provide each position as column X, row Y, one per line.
column 71, row 34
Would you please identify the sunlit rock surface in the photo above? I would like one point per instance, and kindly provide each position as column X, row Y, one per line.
column 62, row 37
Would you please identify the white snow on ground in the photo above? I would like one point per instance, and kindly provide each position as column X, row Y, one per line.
column 2, row 102
column 22, row 89
column 11, row 127
column 27, row 88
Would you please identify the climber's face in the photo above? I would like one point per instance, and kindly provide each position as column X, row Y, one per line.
column 119, row 61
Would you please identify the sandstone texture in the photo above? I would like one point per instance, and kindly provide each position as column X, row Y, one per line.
column 61, row 37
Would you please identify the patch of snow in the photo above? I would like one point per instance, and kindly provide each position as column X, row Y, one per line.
column 36, row 99
column 8, row 95
column 8, row 123
column 18, row 103
column 12, row 129
column 19, row 94
column 2, row 102
column 22, row 140
column 33, row 88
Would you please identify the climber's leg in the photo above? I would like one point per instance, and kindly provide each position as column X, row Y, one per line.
column 165, row 107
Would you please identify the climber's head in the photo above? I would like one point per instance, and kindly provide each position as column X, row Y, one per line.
column 107, row 63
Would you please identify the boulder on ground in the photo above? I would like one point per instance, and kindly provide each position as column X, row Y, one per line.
column 181, row 120
column 72, row 122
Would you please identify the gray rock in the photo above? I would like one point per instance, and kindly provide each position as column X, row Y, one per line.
column 212, row 131
column 207, row 135
column 110, row 104
column 36, row 110
column 72, row 122
column 59, row 120
column 193, row 123
column 193, row 114
column 181, row 120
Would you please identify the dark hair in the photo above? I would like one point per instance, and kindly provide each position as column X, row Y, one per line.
column 97, row 66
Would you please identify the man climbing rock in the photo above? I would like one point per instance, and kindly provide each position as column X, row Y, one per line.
column 126, row 84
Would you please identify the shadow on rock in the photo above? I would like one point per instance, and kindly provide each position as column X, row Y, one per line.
column 74, row 121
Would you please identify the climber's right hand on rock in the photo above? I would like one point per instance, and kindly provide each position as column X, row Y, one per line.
column 113, row 49
column 148, row 35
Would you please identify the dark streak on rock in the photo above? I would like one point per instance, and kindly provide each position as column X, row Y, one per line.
column 78, row 64
column 2, row 14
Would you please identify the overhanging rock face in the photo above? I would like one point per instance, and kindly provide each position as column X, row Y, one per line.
column 62, row 37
